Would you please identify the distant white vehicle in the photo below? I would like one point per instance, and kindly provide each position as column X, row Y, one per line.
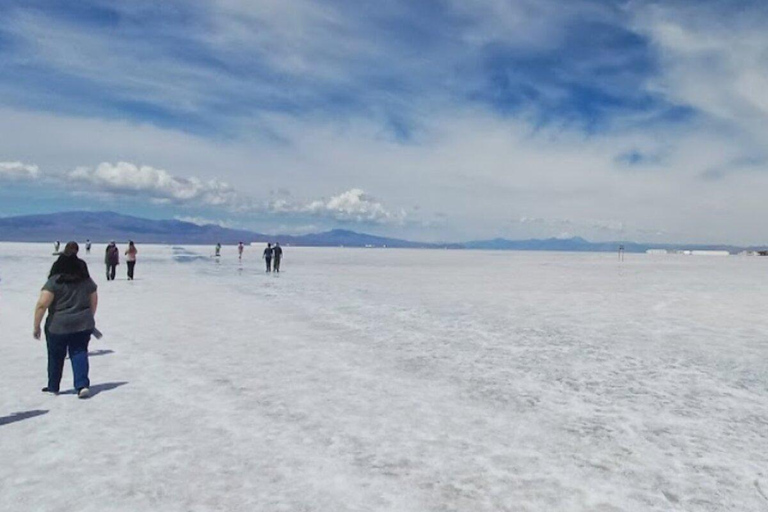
column 656, row 251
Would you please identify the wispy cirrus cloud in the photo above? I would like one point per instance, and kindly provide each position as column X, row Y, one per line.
column 218, row 64
column 713, row 58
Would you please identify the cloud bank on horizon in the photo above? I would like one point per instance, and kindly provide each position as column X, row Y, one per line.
column 433, row 120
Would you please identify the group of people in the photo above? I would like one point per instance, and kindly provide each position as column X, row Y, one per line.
column 112, row 259
column 70, row 298
column 271, row 255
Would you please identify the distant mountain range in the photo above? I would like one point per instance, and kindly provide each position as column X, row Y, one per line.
column 105, row 226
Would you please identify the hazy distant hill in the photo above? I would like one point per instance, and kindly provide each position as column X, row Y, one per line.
column 578, row 244
column 575, row 244
column 338, row 237
column 105, row 226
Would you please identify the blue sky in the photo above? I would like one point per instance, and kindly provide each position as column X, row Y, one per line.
column 429, row 120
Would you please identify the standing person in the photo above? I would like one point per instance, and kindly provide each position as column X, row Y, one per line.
column 240, row 248
column 130, row 258
column 69, row 296
column 268, row 257
column 88, row 246
column 277, row 253
column 112, row 260
column 218, row 250
column 56, row 246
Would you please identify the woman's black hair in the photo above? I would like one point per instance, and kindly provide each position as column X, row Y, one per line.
column 70, row 269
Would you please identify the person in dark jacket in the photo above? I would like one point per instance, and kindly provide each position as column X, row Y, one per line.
column 268, row 257
column 112, row 260
column 277, row 255
column 70, row 298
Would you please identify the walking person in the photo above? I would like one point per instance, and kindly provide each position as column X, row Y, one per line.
column 240, row 248
column 88, row 246
column 277, row 254
column 56, row 246
column 112, row 260
column 130, row 258
column 218, row 250
column 70, row 298
column 268, row 257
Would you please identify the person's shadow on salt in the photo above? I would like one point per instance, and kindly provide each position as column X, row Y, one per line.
column 101, row 352
column 20, row 416
column 97, row 388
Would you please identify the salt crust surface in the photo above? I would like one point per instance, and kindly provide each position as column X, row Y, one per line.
column 395, row 380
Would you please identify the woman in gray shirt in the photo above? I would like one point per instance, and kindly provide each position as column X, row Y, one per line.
column 69, row 296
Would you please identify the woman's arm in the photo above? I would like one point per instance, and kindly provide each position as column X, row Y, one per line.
column 94, row 302
column 43, row 303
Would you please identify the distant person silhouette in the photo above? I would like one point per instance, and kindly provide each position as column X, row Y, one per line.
column 277, row 253
column 218, row 250
column 56, row 246
column 112, row 260
column 240, row 248
column 88, row 246
column 130, row 259
column 268, row 257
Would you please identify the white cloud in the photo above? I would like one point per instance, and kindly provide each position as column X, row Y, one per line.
column 125, row 178
column 354, row 205
column 18, row 171
column 202, row 221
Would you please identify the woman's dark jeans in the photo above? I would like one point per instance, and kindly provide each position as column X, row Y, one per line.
column 131, row 265
column 77, row 343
